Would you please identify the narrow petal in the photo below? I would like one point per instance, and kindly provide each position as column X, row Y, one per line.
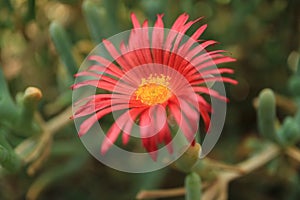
column 180, row 21
column 146, row 131
column 133, row 114
column 206, row 118
column 210, row 92
column 181, row 116
column 91, row 107
column 134, row 20
column 116, row 55
column 112, row 134
column 214, row 79
column 199, row 32
column 89, row 122
column 106, row 63
column 215, row 62
column 106, row 70
column 164, row 136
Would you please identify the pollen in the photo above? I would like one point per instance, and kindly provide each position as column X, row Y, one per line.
column 154, row 90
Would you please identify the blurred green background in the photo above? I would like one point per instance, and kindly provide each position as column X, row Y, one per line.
column 264, row 36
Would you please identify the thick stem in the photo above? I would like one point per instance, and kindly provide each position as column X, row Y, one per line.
column 192, row 187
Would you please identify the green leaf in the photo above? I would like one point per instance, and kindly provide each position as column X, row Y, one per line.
column 289, row 132
column 8, row 110
column 30, row 10
column 93, row 19
column 294, row 85
column 63, row 46
column 8, row 159
column 111, row 12
column 266, row 114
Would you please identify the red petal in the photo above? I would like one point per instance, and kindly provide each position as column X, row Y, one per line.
column 213, row 79
column 107, row 63
column 116, row 55
column 89, row 122
column 134, row 20
column 177, row 112
column 112, row 135
column 123, row 123
column 180, row 21
column 210, row 92
column 165, row 136
column 199, row 32
column 215, row 62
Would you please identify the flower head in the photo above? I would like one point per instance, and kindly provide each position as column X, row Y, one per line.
column 157, row 77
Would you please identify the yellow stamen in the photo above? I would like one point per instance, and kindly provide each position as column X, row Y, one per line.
column 154, row 90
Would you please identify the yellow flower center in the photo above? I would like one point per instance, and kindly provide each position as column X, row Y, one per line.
column 153, row 90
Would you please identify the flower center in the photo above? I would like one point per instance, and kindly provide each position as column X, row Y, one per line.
column 153, row 90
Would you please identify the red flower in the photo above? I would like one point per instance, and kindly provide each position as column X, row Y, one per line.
column 157, row 77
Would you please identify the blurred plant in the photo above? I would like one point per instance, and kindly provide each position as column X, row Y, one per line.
column 287, row 134
column 17, row 119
